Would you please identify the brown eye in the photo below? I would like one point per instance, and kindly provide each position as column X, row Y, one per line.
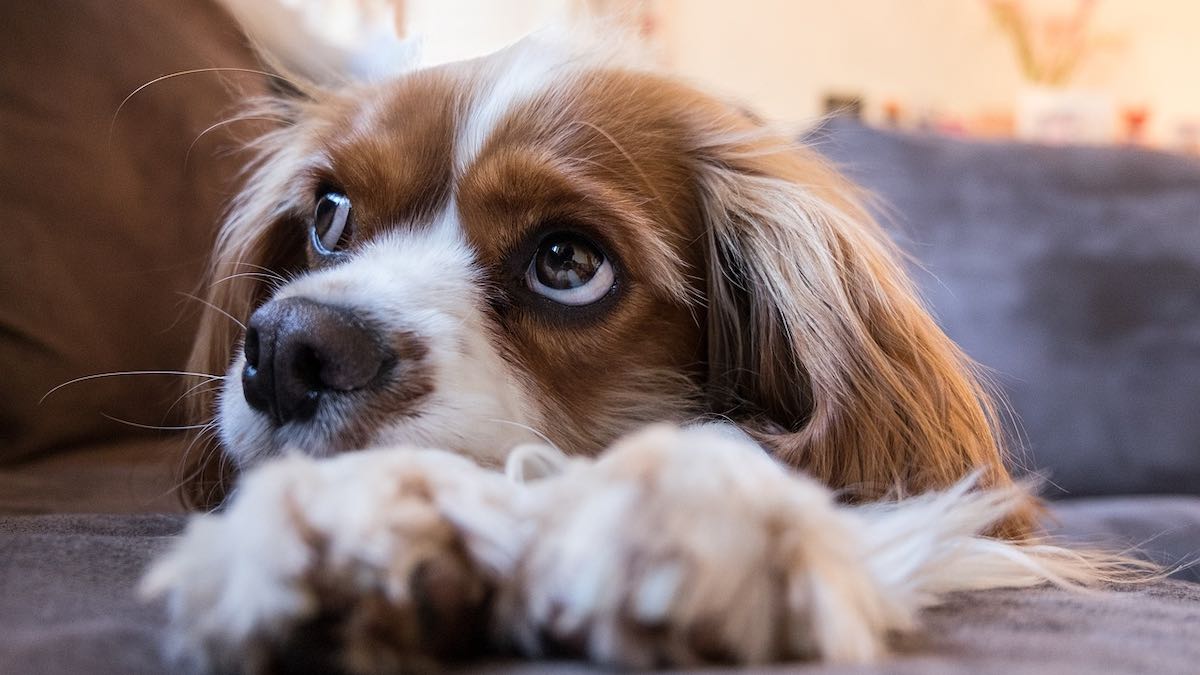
column 569, row 269
column 331, row 227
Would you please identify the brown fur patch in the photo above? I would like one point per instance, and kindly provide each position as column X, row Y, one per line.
column 389, row 149
column 570, row 158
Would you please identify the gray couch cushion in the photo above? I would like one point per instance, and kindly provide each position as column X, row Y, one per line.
column 1165, row 529
column 67, row 601
column 1073, row 273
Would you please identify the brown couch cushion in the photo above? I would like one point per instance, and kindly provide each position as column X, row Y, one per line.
column 133, row 475
column 101, row 236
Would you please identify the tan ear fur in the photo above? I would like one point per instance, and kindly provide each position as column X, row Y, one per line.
column 817, row 338
column 255, row 249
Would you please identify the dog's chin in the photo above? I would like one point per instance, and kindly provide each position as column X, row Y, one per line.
column 249, row 436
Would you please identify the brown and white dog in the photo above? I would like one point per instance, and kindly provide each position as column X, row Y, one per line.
column 513, row 263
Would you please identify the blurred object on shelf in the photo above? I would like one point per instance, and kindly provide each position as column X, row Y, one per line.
column 893, row 113
column 1133, row 119
column 1060, row 116
column 992, row 124
column 1187, row 137
column 1051, row 48
column 843, row 104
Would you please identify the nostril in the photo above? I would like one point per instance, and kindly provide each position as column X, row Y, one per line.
column 300, row 384
column 256, row 389
column 307, row 366
column 298, row 352
column 250, row 347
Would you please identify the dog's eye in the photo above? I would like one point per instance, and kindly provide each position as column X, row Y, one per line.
column 331, row 226
column 570, row 270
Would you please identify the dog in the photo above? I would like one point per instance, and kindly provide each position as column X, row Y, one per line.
column 548, row 352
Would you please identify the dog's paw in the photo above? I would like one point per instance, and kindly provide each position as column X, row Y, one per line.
column 371, row 562
column 690, row 547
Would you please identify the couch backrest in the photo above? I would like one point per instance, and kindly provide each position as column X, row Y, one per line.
column 105, row 225
column 1072, row 273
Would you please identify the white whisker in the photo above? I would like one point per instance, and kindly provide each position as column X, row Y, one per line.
column 628, row 158
column 156, row 427
column 257, row 275
column 206, row 435
column 192, row 390
column 251, row 265
column 210, row 376
column 530, row 429
column 214, row 308
column 113, row 124
column 187, row 155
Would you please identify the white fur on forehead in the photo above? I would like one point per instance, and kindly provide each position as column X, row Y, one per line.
column 547, row 59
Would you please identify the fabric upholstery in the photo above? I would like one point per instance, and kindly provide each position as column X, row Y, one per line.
column 1073, row 274
column 67, row 601
column 67, row 605
column 1165, row 529
column 108, row 219
column 135, row 475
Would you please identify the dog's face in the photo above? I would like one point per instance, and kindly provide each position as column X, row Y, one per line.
column 528, row 247
column 489, row 253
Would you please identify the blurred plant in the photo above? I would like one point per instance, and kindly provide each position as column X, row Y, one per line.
column 1049, row 48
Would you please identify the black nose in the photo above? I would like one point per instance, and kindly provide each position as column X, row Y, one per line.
column 298, row 351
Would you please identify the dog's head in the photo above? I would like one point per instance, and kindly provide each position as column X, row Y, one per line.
column 537, row 246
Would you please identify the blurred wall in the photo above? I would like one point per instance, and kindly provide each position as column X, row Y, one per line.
column 784, row 55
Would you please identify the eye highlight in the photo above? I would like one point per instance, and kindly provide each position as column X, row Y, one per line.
column 570, row 270
column 332, row 226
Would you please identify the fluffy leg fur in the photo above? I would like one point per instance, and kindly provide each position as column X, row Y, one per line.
column 376, row 561
column 677, row 547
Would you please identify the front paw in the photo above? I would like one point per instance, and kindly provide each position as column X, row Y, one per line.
column 371, row 562
column 688, row 547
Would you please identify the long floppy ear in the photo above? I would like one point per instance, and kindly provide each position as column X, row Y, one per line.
column 817, row 339
column 257, row 249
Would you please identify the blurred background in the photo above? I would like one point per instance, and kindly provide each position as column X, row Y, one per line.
column 1059, row 71
column 1062, row 252
column 1037, row 157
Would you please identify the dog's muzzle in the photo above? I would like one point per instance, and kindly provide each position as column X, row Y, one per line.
column 299, row 351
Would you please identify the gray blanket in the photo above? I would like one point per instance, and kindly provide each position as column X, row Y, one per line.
column 67, row 606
